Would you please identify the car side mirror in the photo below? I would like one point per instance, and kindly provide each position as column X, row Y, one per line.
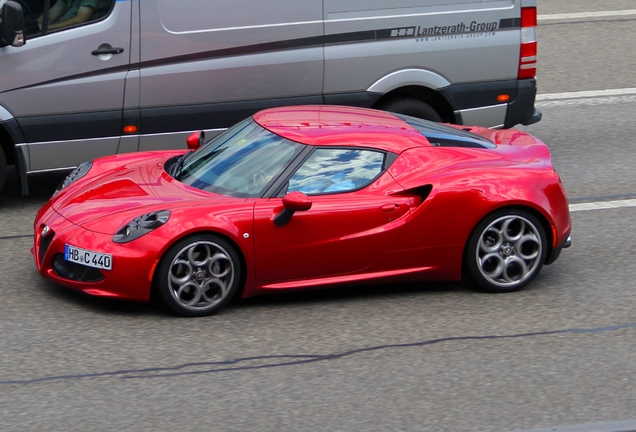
column 195, row 140
column 11, row 25
column 292, row 202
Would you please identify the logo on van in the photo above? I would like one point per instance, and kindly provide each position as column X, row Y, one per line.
column 462, row 27
column 405, row 31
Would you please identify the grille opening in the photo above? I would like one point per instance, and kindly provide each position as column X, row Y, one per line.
column 73, row 271
column 45, row 242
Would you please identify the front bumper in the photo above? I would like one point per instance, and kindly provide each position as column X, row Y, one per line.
column 133, row 263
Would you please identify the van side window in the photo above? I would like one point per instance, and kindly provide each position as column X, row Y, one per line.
column 61, row 14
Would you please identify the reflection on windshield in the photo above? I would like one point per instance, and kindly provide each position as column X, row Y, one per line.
column 242, row 162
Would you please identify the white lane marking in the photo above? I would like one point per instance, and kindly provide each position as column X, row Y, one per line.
column 586, row 98
column 587, row 94
column 617, row 426
column 578, row 15
column 602, row 205
column 610, row 100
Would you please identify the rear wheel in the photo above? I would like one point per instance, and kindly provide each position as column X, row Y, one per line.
column 412, row 107
column 3, row 169
column 506, row 251
column 198, row 275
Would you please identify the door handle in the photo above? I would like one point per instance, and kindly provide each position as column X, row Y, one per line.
column 390, row 207
column 105, row 49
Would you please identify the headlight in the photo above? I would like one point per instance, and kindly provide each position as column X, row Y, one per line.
column 141, row 225
column 76, row 174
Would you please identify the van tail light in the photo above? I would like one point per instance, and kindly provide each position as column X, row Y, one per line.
column 528, row 51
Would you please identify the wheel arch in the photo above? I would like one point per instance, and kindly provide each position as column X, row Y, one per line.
column 7, row 145
column 435, row 99
column 421, row 84
column 10, row 137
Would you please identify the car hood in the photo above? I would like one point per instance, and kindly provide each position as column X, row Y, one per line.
column 115, row 193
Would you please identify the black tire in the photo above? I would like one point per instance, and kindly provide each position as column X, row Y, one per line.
column 198, row 275
column 511, row 254
column 3, row 169
column 412, row 107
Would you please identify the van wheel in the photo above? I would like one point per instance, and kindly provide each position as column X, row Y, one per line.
column 3, row 169
column 412, row 107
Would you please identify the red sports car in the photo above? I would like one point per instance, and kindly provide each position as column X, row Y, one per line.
column 306, row 197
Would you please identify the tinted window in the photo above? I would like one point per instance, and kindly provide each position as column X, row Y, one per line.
column 330, row 170
column 440, row 135
column 61, row 14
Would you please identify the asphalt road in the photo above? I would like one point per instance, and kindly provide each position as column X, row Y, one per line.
column 436, row 357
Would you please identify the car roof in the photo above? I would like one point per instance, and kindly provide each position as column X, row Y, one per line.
column 332, row 125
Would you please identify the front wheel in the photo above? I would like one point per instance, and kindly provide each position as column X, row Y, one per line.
column 198, row 275
column 506, row 251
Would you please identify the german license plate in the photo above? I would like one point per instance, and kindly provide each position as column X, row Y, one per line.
column 88, row 258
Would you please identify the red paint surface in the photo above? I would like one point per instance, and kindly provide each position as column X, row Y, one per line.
column 382, row 233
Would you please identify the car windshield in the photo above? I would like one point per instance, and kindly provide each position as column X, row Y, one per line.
column 241, row 162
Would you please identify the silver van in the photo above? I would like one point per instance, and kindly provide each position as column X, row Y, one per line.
column 85, row 78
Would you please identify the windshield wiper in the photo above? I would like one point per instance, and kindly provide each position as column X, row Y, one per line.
column 175, row 170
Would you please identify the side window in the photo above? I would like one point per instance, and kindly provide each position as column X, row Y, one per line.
column 332, row 170
column 61, row 14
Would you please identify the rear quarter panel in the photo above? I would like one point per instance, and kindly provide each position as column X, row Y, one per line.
column 467, row 185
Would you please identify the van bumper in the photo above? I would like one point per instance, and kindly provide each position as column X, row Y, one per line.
column 482, row 102
column 521, row 109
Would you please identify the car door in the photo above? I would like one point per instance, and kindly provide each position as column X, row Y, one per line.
column 354, row 218
column 66, row 95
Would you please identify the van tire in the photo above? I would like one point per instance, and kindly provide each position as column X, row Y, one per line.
column 412, row 107
column 3, row 169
